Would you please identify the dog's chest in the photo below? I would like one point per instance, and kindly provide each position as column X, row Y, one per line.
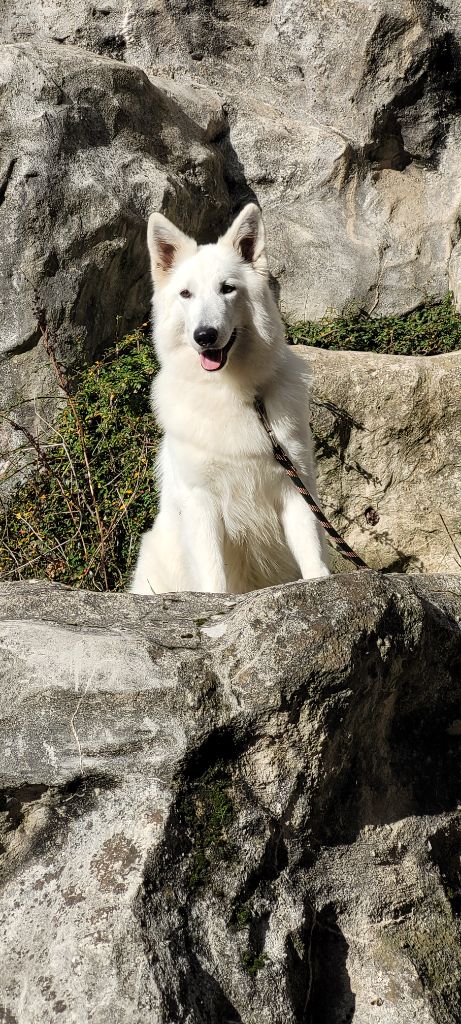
column 249, row 498
column 219, row 446
column 245, row 485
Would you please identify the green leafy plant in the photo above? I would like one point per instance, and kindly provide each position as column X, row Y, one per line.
column 78, row 519
column 432, row 329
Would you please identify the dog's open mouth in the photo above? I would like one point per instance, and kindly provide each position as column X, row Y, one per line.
column 216, row 358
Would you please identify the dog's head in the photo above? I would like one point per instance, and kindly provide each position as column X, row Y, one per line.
column 203, row 293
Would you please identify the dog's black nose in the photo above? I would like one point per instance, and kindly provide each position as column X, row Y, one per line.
column 205, row 336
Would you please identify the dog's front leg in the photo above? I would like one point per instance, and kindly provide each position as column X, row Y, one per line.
column 203, row 532
column 304, row 535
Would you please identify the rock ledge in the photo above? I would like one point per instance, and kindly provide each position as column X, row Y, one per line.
column 232, row 809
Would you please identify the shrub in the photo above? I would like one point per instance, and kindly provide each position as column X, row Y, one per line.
column 79, row 518
column 431, row 330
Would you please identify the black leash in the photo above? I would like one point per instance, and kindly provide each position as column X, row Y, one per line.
column 282, row 457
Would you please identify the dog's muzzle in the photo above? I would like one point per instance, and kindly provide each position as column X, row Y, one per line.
column 215, row 358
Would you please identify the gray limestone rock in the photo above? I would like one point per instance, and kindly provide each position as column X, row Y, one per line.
column 343, row 120
column 88, row 148
column 388, row 446
column 219, row 809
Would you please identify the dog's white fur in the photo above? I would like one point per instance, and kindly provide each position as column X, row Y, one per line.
column 230, row 520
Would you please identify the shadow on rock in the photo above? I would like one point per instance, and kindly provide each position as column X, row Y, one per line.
column 331, row 999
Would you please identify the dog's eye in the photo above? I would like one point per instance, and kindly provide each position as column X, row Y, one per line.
column 227, row 288
column 186, row 294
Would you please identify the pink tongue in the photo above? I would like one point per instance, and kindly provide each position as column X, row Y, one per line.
column 212, row 360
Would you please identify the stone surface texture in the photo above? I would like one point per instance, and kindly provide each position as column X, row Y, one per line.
column 88, row 148
column 388, row 444
column 219, row 809
column 342, row 119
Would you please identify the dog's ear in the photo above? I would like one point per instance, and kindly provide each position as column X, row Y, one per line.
column 167, row 246
column 246, row 234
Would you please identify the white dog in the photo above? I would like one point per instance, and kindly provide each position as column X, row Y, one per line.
column 230, row 520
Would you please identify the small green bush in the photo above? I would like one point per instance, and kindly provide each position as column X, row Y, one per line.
column 79, row 518
column 431, row 330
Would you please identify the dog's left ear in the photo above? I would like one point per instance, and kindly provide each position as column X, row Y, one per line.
column 246, row 234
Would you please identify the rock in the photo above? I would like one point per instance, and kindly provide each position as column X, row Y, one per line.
column 387, row 432
column 343, row 120
column 88, row 148
column 220, row 809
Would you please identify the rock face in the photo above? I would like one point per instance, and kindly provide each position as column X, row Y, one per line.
column 387, row 431
column 343, row 120
column 88, row 148
column 232, row 810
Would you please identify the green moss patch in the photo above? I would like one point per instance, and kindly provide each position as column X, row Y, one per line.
column 253, row 962
column 243, row 916
column 208, row 812
column 431, row 330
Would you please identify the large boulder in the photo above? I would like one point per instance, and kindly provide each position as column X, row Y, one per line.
column 88, row 148
column 220, row 809
column 342, row 119
column 388, row 443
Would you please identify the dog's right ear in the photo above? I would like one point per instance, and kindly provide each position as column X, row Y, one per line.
column 167, row 246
